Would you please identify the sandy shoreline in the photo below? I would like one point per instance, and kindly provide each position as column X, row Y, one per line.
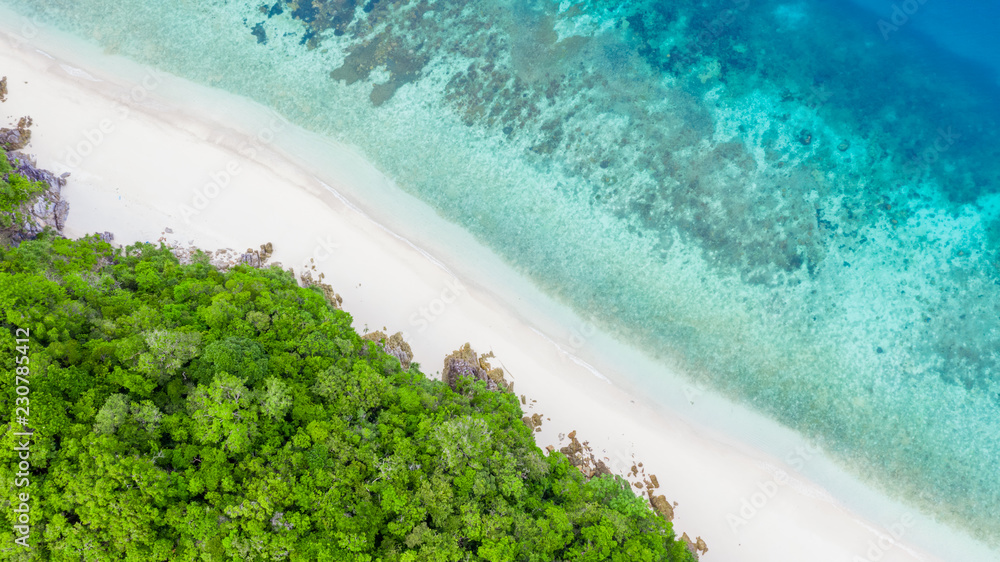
column 144, row 157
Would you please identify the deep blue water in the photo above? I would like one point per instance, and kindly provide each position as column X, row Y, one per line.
column 798, row 204
column 966, row 28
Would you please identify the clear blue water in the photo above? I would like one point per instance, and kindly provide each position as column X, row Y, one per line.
column 967, row 28
column 799, row 205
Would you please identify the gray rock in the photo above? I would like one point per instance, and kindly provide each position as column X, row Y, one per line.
column 41, row 208
column 60, row 212
column 47, row 208
column 18, row 137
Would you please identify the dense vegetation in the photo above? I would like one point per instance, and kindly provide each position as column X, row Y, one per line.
column 183, row 413
column 15, row 191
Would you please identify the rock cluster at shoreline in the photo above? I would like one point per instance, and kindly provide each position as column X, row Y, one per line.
column 222, row 259
column 17, row 137
column 394, row 345
column 696, row 546
column 464, row 362
column 582, row 456
column 307, row 280
column 44, row 210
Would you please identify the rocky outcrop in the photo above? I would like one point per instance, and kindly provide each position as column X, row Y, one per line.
column 533, row 421
column 582, row 456
column 662, row 506
column 306, row 277
column 696, row 546
column 394, row 345
column 465, row 362
column 44, row 210
column 18, row 137
column 226, row 258
column 222, row 259
column 256, row 258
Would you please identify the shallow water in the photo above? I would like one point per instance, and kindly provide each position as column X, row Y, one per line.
column 799, row 205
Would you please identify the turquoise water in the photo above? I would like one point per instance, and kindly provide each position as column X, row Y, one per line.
column 801, row 207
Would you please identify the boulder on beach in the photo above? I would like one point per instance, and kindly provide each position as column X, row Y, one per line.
column 465, row 362
column 17, row 137
column 697, row 547
column 394, row 345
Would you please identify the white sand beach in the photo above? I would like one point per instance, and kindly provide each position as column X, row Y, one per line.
column 148, row 151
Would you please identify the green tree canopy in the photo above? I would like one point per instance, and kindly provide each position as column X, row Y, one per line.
column 15, row 191
column 181, row 413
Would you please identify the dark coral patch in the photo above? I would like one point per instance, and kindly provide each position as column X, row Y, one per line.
column 259, row 33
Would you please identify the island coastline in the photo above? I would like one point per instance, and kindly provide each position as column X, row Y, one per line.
column 387, row 279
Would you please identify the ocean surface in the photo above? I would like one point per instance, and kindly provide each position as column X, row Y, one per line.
column 799, row 202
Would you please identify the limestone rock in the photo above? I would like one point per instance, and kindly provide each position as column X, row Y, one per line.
column 60, row 210
column 697, row 546
column 17, row 137
column 46, row 209
column 582, row 456
column 222, row 259
column 307, row 280
column 662, row 506
column 465, row 362
column 533, row 421
column 394, row 345
column 331, row 296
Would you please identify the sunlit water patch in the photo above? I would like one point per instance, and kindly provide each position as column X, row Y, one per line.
column 804, row 214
